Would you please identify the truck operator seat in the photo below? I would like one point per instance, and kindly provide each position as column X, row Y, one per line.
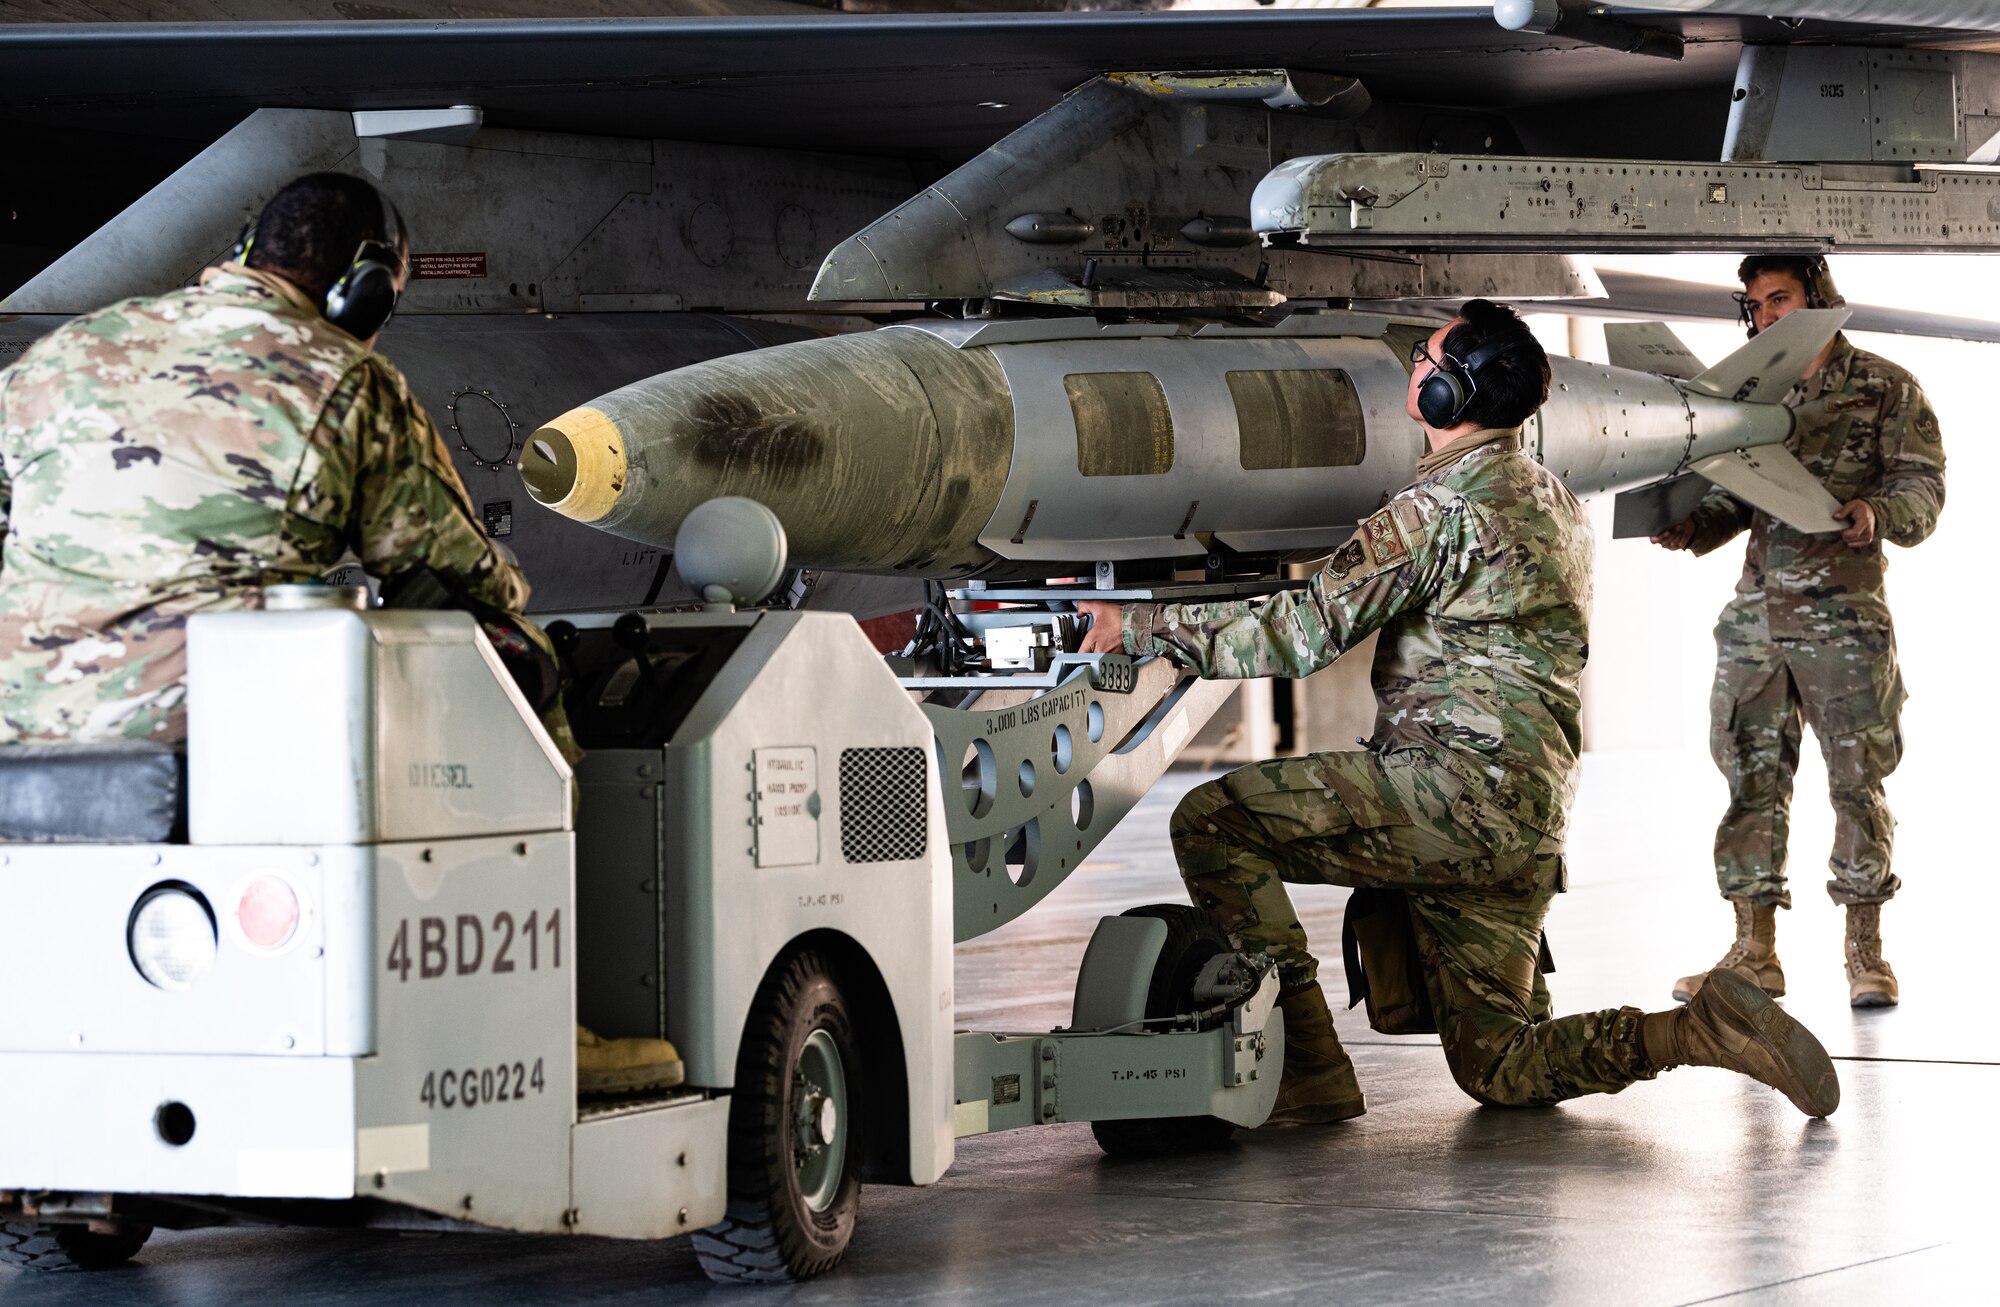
column 103, row 792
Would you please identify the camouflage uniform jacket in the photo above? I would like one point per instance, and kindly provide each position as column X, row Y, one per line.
column 1478, row 577
column 1864, row 428
column 168, row 456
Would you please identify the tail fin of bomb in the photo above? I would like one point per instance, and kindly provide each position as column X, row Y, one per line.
column 1650, row 510
column 1767, row 477
column 1650, row 347
column 1762, row 372
column 1765, row 370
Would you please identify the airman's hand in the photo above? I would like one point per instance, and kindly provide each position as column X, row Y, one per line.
column 1860, row 516
column 1676, row 537
column 1107, row 626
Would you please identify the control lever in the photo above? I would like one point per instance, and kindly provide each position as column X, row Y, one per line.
column 563, row 635
column 631, row 634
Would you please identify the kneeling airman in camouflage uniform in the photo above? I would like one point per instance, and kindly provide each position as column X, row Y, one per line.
column 1478, row 578
column 1808, row 634
column 172, row 456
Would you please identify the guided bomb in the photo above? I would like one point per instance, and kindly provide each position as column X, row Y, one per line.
column 1026, row 448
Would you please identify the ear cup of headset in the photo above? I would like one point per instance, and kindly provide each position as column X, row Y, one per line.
column 1440, row 398
column 363, row 300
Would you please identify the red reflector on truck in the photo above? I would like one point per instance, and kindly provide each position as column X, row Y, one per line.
column 268, row 912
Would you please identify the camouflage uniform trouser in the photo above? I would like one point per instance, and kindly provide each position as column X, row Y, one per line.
column 1849, row 690
column 1479, row 885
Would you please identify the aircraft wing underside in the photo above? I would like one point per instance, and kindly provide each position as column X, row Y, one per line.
column 913, row 86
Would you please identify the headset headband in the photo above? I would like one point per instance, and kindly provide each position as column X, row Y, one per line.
column 392, row 227
column 1491, row 350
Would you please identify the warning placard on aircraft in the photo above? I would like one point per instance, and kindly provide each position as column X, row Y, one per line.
column 436, row 266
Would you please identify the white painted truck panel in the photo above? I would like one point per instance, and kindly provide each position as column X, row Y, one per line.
column 652, row 1174
column 65, row 911
column 264, row 1127
column 807, row 681
column 332, row 726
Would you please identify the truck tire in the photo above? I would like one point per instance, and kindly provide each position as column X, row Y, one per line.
column 69, row 1247
column 795, row 1133
column 1192, row 939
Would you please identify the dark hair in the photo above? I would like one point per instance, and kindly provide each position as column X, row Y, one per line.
column 310, row 230
column 1799, row 267
column 1510, row 386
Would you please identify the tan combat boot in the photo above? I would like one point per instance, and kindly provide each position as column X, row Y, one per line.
column 1870, row 982
column 1732, row 1024
column 625, row 1066
column 1754, row 954
column 1318, row 1085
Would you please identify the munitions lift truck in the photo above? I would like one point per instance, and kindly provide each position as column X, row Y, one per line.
column 328, row 970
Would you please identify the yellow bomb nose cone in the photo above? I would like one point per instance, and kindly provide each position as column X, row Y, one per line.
column 576, row 464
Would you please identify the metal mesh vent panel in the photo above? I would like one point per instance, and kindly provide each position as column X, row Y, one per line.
column 883, row 813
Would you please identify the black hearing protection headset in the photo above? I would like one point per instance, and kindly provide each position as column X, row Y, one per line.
column 363, row 298
column 1445, row 394
column 1815, row 280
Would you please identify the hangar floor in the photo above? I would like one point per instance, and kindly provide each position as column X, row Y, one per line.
column 1697, row 1188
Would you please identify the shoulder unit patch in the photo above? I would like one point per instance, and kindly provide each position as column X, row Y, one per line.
column 1385, row 540
column 1346, row 560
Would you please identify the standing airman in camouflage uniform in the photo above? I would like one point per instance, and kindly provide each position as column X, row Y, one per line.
column 171, row 456
column 1808, row 634
column 1478, row 578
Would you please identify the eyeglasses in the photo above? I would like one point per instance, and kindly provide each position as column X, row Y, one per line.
column 1420, row 352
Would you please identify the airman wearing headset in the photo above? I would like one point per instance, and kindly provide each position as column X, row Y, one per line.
column 1449, row 824
column 173, row 455
column 1807, row 636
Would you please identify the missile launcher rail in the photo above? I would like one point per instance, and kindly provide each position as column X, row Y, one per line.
column 1493, row 205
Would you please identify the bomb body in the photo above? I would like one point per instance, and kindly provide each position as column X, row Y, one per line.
column 1028, row 448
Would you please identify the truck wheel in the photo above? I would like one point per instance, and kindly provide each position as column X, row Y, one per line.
column 1192, row 939
column 69, row 1247
column 794, row 1133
